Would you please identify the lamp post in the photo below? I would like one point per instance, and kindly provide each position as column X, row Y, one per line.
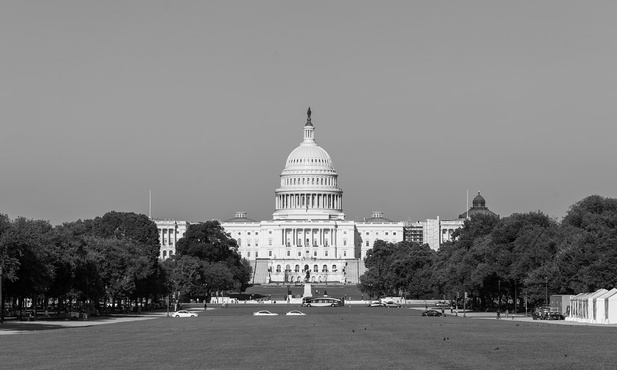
column 546, row 291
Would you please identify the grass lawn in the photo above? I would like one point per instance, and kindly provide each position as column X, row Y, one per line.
column 341, row 337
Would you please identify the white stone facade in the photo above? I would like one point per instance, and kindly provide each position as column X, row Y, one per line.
column 170, row 231
column 436, row 231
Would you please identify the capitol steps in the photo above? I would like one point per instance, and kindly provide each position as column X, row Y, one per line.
column 260, row 271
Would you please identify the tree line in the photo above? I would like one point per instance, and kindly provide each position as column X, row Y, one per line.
column 111, row 262
column 525, row 257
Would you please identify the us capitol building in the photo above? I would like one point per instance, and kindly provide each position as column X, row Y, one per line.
column 308, row 237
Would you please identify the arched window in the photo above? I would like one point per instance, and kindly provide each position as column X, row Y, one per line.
column 333, row 268
column 278, row 268
column 324, row 268
column 297, row 268
column 287, row 268
column 315, row 268
column 164, row 254
column 306, row 268
column 239, row 242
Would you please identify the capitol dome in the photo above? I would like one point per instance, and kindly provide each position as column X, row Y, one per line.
column 309, row 157
column 309, row 183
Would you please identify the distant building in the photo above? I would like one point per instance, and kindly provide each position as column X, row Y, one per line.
column 308, row 236
column 435, row 232
column 170, row 231
column 478, row 206
column 376, row 228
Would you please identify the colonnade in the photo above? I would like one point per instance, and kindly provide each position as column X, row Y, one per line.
column 308, row 237
column 309, row 201
column 168, row 236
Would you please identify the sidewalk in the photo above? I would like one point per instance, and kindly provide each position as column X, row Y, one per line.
column 24, row 327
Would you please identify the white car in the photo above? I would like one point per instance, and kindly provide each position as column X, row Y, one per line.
column 295, row 313
column 264, row 313
column 184, row 313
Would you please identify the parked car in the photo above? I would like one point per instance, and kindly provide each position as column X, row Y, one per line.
column 555, row 316
column 375, row 304
column 295, row 313
column 442, row 304
column 184, row 313
column 431, row 313
column 264, row 313
column 392, row 304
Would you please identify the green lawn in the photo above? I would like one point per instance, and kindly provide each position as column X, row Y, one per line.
column 341, row 337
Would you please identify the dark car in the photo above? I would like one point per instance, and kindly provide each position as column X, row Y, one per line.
column 555, row 316
column 431, row 313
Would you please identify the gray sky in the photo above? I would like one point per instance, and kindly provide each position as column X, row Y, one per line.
column 201, row 102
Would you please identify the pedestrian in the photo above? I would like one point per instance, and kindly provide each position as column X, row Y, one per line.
column 498, row 315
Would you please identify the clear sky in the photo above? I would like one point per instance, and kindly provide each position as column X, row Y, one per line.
column 201, row 102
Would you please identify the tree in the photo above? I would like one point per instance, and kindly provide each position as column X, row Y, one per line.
column 218, row 252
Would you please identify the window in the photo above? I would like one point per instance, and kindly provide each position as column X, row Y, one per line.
column 248, row 243
column 344, row 254
column 269, row 241
column 269, row 253
column 299, row 254
column 256, row 254
column 333, row 268
column 394, row 233
column 324, row 268
column 315, row 268
column 249, row 233
column 368, row 243
column 326, row 253
column 248, row 254
column 315, row 254
column 344, row 241
column 256, row 242
column 288, row 254
column 270, row 232
column 297, row 268
column 256, row 233
column 239, row 242
column 278, row 268
column 386, row 233
column 164, row 254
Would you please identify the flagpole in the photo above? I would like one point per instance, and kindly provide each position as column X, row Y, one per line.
column 467, row 205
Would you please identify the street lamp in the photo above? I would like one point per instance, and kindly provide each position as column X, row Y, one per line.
column 546, row 291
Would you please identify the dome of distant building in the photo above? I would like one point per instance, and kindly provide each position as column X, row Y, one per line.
column 478, row 206
column 309, row 183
